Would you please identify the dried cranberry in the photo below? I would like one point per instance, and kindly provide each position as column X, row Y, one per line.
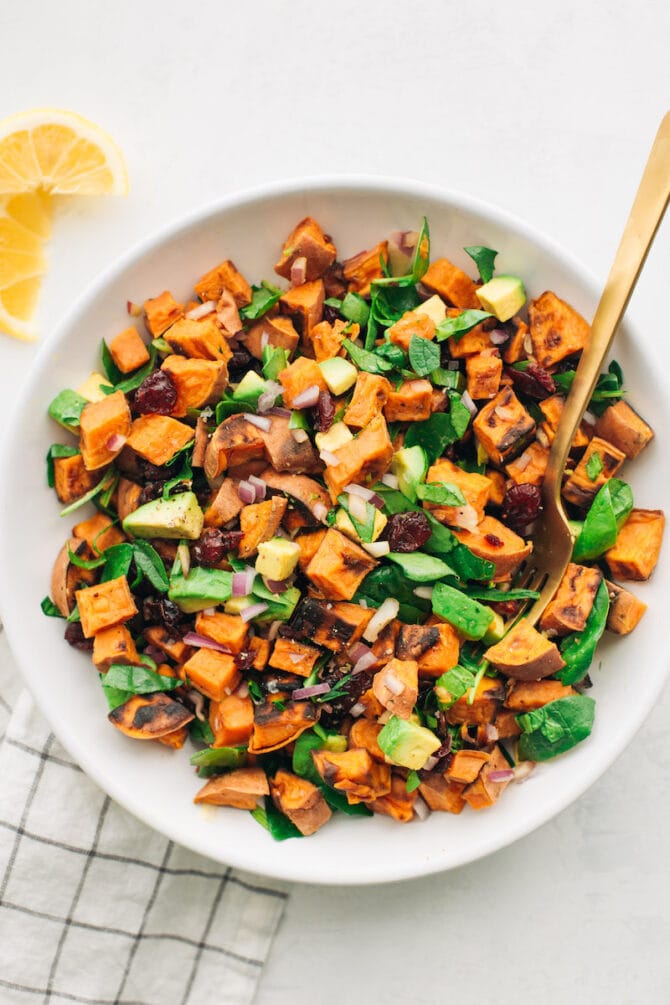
column 335, row 284
column 407, row 531
column 330, row 314
column 74, row 634
column 160, row 610
column 506, row 608
column 156, row 394
column 244, row 660
column 534, row 382
column 214, row 545
column 494, row 540
column 323, row 412
column 152, row 490
column 522, row 505
column 240, row 362
column 354, row 688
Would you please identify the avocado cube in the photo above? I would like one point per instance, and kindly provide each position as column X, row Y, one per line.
column 338, row 434
column 339, row 374
column 406, row 743
column 409, row 465
column 177, row 517
column 343, row 523
column 91, row 389
column 434, row 307
column 277, row 558
column 503, row 296
column 249, row 389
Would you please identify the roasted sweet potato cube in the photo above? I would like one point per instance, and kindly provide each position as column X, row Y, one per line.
column 161, row 312
column 434, row 647
column 623, row 428
column 199, row 382
column 399, row 803
column 71, row 479
column 301, row 801
column 234, row 442
column 488, row 698
column 105, row 605
column 626, row 610
column 365, row 458
column 369, row 398
column 128, row 496
column 304, row 305
column 175, row 739
column 475, row 487
column 157, row 438
column 515, row 349
column 300, row 375
column 466, row 765
column 128, row 350
column 483, row 372
column 557, row 330
column 571, row 605
column 277, row 332
column 335, row 626
column 241, row 788
column 526, row 695
column 228, row 630
column 411, row 323
column 172, row 646
column 552, row 409
column 452, row 284
column 354, row 772
column 442, row 796
column 294, row 657
column 201, row 339
column 638, row 545
column 396, row 686
column 361, row 269
column 259, row 522
column 603, row 461
column 307, row 241
column 308, row 543
column 525, row 654
column 224, row 277
column 214, row 674
column 364, row 733
column 498, row 486
column 274, row 727
column 231, row 720
column 496, row 543
column 411, row 402
column 503, row 427
column 150, row 716
column 327, row 338
column 114, row 645
column 99, row 532
column 260, row 650
column 477, row 340
column 225, row 504
column 100, row 423
column 339, row 566
column 506, row 724
column 286, row 454
column 529, row 467
column 483, row 791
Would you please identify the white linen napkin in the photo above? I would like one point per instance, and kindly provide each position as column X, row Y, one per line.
column 97, row 908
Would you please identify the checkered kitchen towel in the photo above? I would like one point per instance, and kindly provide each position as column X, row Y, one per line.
column 97, row 908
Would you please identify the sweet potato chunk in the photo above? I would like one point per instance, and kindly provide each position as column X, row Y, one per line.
column 294, row 657
column 515, row 349
column 556, row 329
column 260, row 522
column 495, row 542
column 530, row 466
column 199, row 382
column 369, row 398
column 498, row 486
column 434, row 647
column 285, row 453
column 228, row 630
column 638, row 545
column 224, row 506
column 625, row 611
column 214, row 674
column 364, row 733
column 367, row 457
column 307, row 241
column 101, row 422
column 506, row 724
column 241, row 788
column 466, row 765
column 275, row 727
column 304, row 305
column 327, row 338
column 477, row 340
column 224, row 277
column 483, row 791
column 525, row 654
column 157, row 438
column 624, row 429
column 308, row 492
column 361, row 269
column 411, row 402
column 302, row 374
column 398, row 803
column 172, row 646
column 235, row 441
column 475, row 487
column 452, row 284
column 114, row 645
column 396, row 686
column 442, row 796
column 581, row 487
column 339, row 566
column 260, row 650
column 308, row 543
column 569, row 608
column 161, row 312
column 301, row 801
column 503, row 427
column 150, row 716
column 99, row 532
column 483, row 373
column 527, row 695
column 176, row 738
column 105, row 605
column 552, row 409
column 484, row 708
column 353, row 772
column 277, row 332
column 411, row 323
column 127, row 498
column 201, row 339
column 335, row 626
column 128, row 350
column 71, row 479
column 231, row 720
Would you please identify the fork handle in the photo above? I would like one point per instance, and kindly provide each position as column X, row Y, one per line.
column 645, row 216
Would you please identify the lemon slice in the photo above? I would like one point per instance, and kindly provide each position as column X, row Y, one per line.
column 44, row 151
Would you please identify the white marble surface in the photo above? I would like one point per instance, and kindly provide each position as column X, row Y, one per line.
column 544, row 108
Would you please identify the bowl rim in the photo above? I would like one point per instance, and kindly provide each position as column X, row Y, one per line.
column 394, row 185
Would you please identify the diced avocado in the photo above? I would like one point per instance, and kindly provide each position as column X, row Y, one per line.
column 339, row 374
column 202, row 588
column 343, row 523
column 277, row 558
column 407, row 744
column 91, row 388
column 409, row 465
column 496, row 630
column 249, row 389
column 467, row 616
column 66, row 408
column 176, row 517
column 298, row 419
column 482, row 456
column 503, row 296
column 237, row 604
column 434, row 307
column 335, row 743
column 338, row 434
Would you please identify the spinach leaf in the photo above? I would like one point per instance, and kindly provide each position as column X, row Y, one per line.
column 302, row 763
column 200, row 731
column 184, row 476
column 279, row 826
column 579, row 648
column 491, row 594
column 57, row 450
column 393, row 353
column 434, row 435
column 466, row 615
column 275, row 359
column 50, row 609
column 413, row 781
column 338, row 801
column 421, row 259
column 66, row 408
column 365, row 529
column 484, row 259
column 222, row 758
column 133, row 382
column 555, row 727
column 420, row 567
column 424, row 356
column 355, row 308
column 594, row 465
column 280, row 605
column 263, row 297
column 446, row 378
column 459, row 325
column 103, row 485
column 467, row 565
column 389, row 581
column 138, row 680
column 459, row 415
column 609, row 511
column 368, row 361
column 228, row 406
column 441, row 493
column 150, row 564
column 83, row 563
column 117, row 561
column 453, row 684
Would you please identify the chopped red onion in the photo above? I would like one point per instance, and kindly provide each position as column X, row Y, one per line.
column 528, row 344
column 202, row 642
column 425, row 592
column 265, row 338
column 184, row 556
column 376, row 548
column 589, row 418
column 300, row 435
column 430, row 763
column 356, row 711
column 298, row 271
column 505, row 412
column 357, row 508
column 135, row 310
column 201, row 311
column 247, row 492
column 242, row 690
column 267, row 398
column 307, row 398
column 252, row 612
column 364, row 663
column 523, row 770
column 274, row 630
column 155, row 653
column 469, row 403
column 394, row 685
column 498, row 336
column 360, row 649
column 465, row 517
column 490, row 732
column 390, row 480
column 421, row 809
column 284, row 413
column 320, row 511
column 522, row 462
column 276, row 585
column 381, row 618
column 542, row 437
column 329, row 458
column 243, row 582
column 365, row 493
column 261, row 421
column 311, row 691
column 295, row 657
column 259, row 485
column 500, row 775
column 116, row 441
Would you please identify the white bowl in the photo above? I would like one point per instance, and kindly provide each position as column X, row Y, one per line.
column 157, row 784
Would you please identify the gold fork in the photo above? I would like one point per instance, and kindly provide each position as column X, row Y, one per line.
column 553, row 540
